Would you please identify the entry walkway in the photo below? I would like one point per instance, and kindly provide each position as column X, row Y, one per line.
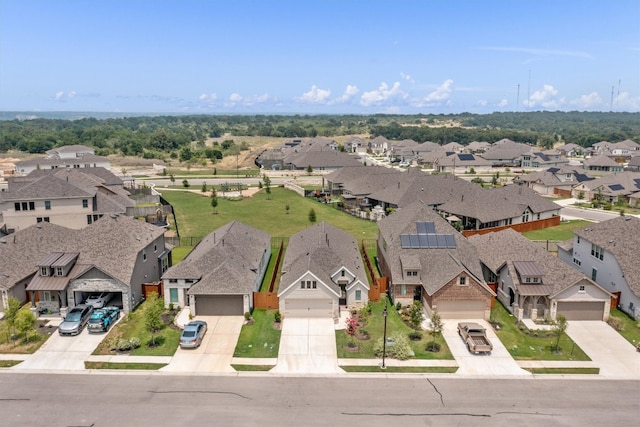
column 307, row 346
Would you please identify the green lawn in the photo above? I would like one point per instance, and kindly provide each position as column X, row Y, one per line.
column 133, row 326
column 626, row 326
column 179, row 253
column 259, row 339
column 261, row 368
column 195, row 216
column 18, row 344
column 266, row 280
column 561, row 232
column 403, row 369
column 564, row 371
column 375, row 328
column 524, row 347
column 9, row 363
column 114, row 365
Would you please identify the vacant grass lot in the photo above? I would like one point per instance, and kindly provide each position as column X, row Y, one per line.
column 259, row 339
column 133, row 326
column 524, row 347
column 561, row 232
column 375, row 328
column 195, row 215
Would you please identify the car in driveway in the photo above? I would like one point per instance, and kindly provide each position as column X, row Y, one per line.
column 99, row 299
column 76, row 320
column 193, row 334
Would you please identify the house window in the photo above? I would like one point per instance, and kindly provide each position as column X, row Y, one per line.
column 16, row 206
column 41, row 219
column 577, row 261
column 313, row 284
column 403, row 289
column 85, row 203
column 32, row 206
column 44, row 271
column 525, row 217
column 89, row 219
column 597, row 251
column 46, row 296
column 342, row 273
column 527, row 280
column 47, row 204
column 358, row 295
column 164, row 263
column 462, row 281
column 144, row 255
column 173, row 295
column 59, row 271
column 578, row 239
column 582, row 289
column 302, row 284
column 155, row 248
column 594, row 274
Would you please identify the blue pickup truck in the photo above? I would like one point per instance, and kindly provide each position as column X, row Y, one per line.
column 102, row 319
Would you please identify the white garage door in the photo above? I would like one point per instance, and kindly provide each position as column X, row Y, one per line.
column 308, row 308
column 588, row 310
column 463, row 309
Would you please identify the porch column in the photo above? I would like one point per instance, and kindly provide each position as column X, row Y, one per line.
column 33, row 298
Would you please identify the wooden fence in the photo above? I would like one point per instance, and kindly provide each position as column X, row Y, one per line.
column 520, row 228
column 266, row 300
column 147, row 288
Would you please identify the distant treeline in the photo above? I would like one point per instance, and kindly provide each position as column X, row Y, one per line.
column 162, row 136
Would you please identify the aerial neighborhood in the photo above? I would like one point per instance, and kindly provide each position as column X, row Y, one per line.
column 448, row 245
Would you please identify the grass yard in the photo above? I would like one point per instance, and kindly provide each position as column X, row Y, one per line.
column 266, row 280
column 131, row 366
column 18, row 343
column 375, row 328
column 179, row 253
column 255, row 368
column 9, row 363
column 259, row 339
column 133, row 326
column 403, row 369
column 524, row 347
column 561, row 232
column 626, row 326
column 195, row 215
column 564, row 371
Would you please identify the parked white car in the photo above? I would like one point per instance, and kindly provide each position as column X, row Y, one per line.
column 99, row 300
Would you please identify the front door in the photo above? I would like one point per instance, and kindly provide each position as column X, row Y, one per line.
column 343, row 295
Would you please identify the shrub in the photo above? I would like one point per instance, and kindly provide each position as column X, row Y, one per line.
column 415, row 336
column 615, row 323
column 398, row 306
column 247, row 315
column 401, row 349
column 171, row 306
column 134, row 342
column 277, row 316
column 123, row 345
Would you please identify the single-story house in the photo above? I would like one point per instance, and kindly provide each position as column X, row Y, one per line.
column 322, row 273
column 219, row 276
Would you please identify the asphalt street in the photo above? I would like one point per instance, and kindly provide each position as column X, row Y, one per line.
column 242, row 400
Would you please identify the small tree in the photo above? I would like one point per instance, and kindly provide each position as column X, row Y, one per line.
column 153, row 315
column 312, row 215
column 351, row 329
column 435, row 327
column 185, row 183
column 558, row 328
column 415, row 315
column 286, row 208
column 10, row 315
column 204, row 187
column 26, row 323
column 267, row 186
column 214, row 200
column 309, row 170
column 172, row 178
column 581, row 195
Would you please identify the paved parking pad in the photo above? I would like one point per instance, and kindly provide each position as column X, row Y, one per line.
column 307, row 346
column 216, row 351
column 498, row 363
column 63, row 352
column 613, row 354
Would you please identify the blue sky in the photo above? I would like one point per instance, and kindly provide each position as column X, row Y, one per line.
column 319, row 57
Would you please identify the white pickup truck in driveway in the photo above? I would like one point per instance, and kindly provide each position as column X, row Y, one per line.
column 475, row 337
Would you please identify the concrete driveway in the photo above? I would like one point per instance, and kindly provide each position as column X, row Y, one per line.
column 215, row 352
column 613, row 354
column 307, row 346
column 63, row 352
column 498, row 363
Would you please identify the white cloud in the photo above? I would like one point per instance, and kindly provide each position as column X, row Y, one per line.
column 625, row 102
column 407, row 77
column 349, row 92
column 503, row 102
column 588, row 101
column 59, row 95
column 381, row 95
column 208, row 97
column 440, row 96
column 72, row 94
column 62, row 95
column 482, row 103
column 248, row 101
column 235, row 97
column 545, row 98
column 315, row 96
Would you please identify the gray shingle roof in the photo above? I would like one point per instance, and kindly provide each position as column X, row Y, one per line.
column 438, row 266
column 621, row 237
column 322, row 249
column 226, row 261
column 510, row 247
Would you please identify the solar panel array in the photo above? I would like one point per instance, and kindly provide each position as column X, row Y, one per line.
column 637, row 181
column 427, row 238
column 616, row 187
column 466, row 157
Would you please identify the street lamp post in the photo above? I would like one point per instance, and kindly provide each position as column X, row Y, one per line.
column 384, row 339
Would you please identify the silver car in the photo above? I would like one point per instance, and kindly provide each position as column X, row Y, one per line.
column 193, row 334
column 76, row 319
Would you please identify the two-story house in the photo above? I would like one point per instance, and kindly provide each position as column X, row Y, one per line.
column 607, row 252
column 68, row 156
column 219, row 276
